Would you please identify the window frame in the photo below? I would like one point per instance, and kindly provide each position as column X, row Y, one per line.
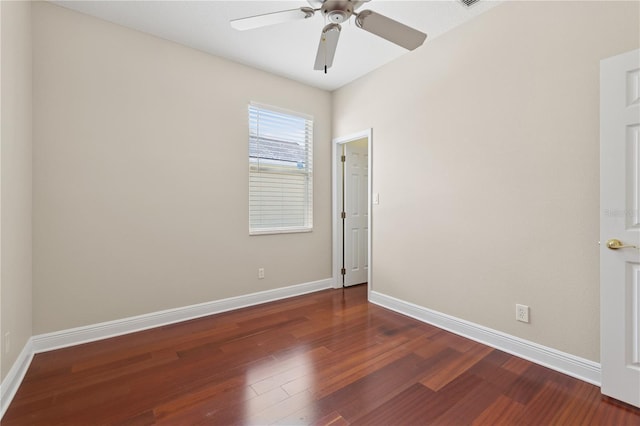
column 270, row 166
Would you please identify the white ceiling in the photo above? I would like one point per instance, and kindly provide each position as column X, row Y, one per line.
column 287, row 49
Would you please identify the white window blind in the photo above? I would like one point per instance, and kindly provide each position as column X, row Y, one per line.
column 280, row 171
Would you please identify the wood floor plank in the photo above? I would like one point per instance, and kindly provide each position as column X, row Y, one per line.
column 455, row 367
column 580, row 407
column 551, row 399
column 491, row 369
column 359, row 397
column 331, row 419
column 413, row 406
column 503, row 412
column 326, row 358
column 610, row 412
column 470, row 406
column 453, row 341
column 528, row 384
column 358, row 367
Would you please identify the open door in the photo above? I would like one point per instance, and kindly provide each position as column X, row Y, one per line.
column 352, row 180
column 620, row 226
column 355, row 211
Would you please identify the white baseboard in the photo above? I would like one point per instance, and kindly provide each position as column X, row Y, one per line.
column 13, row 379
column 563, row 362
column 75, row 336
column 105, row 330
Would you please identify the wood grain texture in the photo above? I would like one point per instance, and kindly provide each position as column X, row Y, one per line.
column 328, row 358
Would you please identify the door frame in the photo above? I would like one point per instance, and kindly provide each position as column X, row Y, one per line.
column 335, row 190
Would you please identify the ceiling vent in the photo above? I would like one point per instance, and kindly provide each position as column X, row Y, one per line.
column 469, row 3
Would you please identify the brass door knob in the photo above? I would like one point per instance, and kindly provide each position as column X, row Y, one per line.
column 614, row 244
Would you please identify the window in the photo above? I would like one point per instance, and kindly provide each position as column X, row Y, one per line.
column 280, row 171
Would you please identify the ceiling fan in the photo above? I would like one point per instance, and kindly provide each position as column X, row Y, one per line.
column 338, row 12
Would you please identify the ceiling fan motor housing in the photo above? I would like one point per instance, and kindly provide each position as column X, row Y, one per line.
column 336, row 11
column 338, row 16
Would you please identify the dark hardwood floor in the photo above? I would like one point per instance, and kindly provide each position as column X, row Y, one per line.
column 328, row 358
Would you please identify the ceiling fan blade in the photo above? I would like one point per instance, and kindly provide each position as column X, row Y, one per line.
column 327, row 47
column 391, row 30
column 272, row 18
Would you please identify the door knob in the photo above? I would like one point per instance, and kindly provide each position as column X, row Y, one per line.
column 614, row 244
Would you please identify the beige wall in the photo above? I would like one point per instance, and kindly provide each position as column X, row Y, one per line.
column 486, row 145
column 15, row 177
column 141, row 175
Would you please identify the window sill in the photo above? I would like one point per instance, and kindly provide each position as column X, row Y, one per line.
column 274, row 231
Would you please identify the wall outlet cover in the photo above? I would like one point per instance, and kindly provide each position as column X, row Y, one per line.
column 522, row 313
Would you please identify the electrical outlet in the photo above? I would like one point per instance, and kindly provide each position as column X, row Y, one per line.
column 7, row 342
column 522, row 313
column 260, row 273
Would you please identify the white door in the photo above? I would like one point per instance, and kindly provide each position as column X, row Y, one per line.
column 356, row 202
column 620, row 220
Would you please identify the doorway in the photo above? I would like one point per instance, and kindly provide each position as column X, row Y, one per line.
column 352, row 179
